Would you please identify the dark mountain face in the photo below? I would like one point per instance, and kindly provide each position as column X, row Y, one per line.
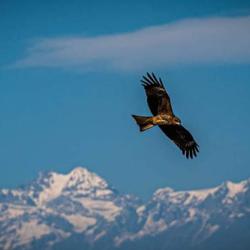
column 80, row 210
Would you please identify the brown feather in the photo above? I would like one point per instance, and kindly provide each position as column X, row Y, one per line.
column 182, row 138
column 157, row 97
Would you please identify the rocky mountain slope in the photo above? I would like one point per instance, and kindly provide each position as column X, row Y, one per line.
column 80, row 210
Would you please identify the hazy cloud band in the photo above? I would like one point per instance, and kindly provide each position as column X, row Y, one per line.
column 190, row 41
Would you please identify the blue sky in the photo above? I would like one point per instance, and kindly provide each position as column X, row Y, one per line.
column 69, row 77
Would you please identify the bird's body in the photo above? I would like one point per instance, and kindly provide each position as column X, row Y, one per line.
column 145, row 121
column 164, row 117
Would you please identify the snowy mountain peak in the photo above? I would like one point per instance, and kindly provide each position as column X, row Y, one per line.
column 235, row 188
column 87, row 179
column 81, row 171
column 227, row 189
column 60, row 208
column 161, row 193
column 79, row 181
column 168, row 193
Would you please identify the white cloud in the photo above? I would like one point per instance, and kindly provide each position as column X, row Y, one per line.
column 190, row 41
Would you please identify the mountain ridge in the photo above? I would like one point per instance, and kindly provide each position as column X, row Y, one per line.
column 58, row 208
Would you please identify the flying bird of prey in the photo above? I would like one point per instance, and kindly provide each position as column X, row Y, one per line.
column 160, row 106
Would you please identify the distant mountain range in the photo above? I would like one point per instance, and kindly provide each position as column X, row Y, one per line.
column 81, row 211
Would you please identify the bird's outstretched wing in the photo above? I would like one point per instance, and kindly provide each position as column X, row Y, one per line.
column 182, row 138
column 157, row 96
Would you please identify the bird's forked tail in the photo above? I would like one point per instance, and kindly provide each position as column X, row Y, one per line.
column 144, row 122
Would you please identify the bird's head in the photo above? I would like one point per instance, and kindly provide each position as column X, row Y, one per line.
column 176, row 120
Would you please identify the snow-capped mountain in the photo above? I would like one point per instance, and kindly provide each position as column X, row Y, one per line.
column 80, row 210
